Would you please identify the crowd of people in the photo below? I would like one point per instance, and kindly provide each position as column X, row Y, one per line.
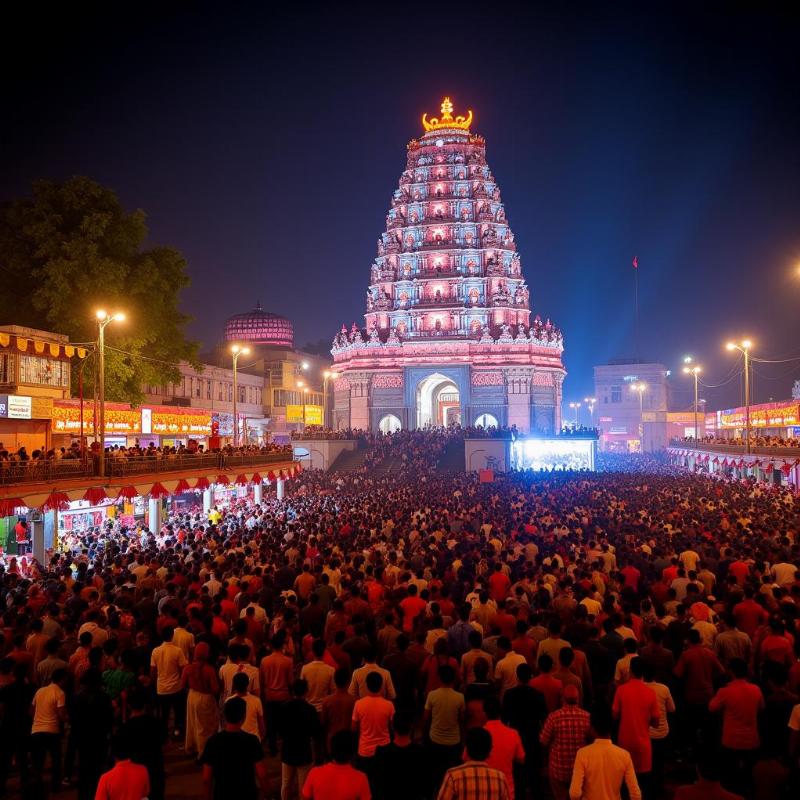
column 19, row 464
column 417, row 634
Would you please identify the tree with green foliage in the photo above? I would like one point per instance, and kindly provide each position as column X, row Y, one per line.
column 71, row 249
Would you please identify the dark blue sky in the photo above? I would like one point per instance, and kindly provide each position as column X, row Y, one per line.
column 266, row 146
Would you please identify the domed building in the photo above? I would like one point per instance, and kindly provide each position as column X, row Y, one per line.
column 259, row 327
column 450, row 335
column 294, row 383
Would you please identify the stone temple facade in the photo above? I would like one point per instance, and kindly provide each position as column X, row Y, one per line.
column 449, row 336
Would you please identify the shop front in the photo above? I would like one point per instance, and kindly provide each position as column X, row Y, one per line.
column 780, row 420
column 25, row 422
column 128, row 427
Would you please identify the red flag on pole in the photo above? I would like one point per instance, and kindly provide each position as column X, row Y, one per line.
column 636, row 262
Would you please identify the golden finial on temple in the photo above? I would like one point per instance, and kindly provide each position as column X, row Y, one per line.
column 447, row 120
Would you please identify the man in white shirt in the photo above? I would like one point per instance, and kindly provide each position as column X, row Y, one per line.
column 259, row 613
column 601, row 767
column 183, row 638
column 358, row 683
column 505, row 672
column 236, row 665
column 659, row 733
column 49, row 715
column 166, row 668
column 254, row 715
column 319, row 676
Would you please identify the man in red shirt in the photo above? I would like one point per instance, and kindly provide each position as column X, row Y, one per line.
column 698, row 668
column 499, row 584
column 507, row 747
column 636, row 707
column 740, row 570
column 411, row 606
column 276, row 678
column 504, row 621
column 550, row 687
column 631, row 575
column 372, row 721
column 740, row 703
column 750, row 616
column 776, row 646
column 338, row 780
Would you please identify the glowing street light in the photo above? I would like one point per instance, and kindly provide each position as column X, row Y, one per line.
column 640, row 387
column 695, row 371
column 103, row 319
column 575, row 407
column 590, row 401
column 744, row 348
column 236, row 351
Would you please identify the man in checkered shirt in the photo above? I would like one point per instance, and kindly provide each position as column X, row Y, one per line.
column 565, row 731
column 475, row 779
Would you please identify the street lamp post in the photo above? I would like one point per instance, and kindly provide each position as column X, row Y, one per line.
column 575, row 407
column 590, row 401
column 325, row 376
column 103, row 319
column 640, row 387
column 236, row 351
column 695, row 372
column 744, row 348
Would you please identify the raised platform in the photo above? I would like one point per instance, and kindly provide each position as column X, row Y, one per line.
column 572, row 452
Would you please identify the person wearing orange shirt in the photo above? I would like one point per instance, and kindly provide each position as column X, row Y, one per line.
column 507, row 749
column 276, row 678
column 636, row 707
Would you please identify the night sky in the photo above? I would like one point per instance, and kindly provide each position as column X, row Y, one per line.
column 266, row 145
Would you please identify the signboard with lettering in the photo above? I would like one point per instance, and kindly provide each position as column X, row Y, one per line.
column 14, row 406
column 294, row 413
column 777, row 417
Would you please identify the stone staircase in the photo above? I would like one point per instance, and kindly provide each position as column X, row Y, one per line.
column 452, row 458
column 349, row 460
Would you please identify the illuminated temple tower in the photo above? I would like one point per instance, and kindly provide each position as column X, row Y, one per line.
column 448, row 336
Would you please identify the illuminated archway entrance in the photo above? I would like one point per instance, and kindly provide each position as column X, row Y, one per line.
column 486, row 421
column 389, row 424
column 438, row 402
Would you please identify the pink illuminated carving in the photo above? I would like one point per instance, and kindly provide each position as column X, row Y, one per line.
column 387, row 381
column 487, row 378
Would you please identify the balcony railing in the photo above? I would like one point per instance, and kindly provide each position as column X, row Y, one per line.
column 43, row 471
column 735, row 449
column 66, row 469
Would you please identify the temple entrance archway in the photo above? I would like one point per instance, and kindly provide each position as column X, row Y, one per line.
column 437, row 402
column 389, row 424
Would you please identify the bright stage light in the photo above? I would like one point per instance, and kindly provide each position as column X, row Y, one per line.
column 558, row 453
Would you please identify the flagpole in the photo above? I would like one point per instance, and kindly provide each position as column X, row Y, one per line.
column 636, row 309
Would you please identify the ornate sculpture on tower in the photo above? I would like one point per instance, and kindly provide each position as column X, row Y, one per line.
column 447, row 308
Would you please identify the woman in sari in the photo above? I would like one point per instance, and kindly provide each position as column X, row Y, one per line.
column 202, row 717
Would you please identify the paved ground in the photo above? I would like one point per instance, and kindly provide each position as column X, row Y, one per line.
column 184, row 781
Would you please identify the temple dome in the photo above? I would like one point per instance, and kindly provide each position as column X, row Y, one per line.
column 260, row 327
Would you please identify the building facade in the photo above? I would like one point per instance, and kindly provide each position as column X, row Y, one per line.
column 35, row 372
column 293, row 384
column 448, row 335
column 630, row 421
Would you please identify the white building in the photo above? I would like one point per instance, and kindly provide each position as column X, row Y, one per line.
column 211, row 388
column 625, row 424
